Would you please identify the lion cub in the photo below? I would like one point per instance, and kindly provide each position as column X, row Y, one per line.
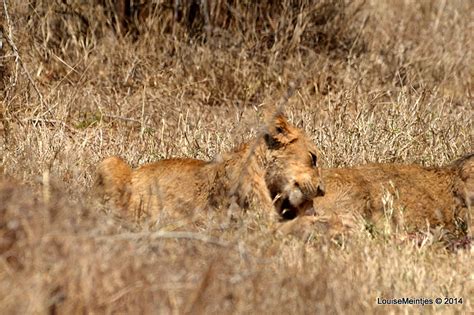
column 411, row 197
column 277, row 171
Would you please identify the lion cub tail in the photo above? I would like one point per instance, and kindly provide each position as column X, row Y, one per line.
column 112, row 181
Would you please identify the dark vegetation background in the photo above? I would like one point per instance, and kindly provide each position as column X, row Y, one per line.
column 376, row 81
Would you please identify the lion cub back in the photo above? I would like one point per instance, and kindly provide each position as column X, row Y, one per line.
column 172, row 184
column 411, row 196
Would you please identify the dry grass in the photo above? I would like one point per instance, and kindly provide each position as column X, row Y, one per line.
column 380, row 81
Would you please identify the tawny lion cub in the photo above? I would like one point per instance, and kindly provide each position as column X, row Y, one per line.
column 412, row 197
column 277, row 171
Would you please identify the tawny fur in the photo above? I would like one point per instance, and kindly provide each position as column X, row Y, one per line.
column 420, row 197
column 281, row 165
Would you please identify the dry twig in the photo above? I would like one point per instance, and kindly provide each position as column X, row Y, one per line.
column 166, row 235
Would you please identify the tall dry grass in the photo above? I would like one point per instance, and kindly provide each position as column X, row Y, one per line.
column 378, row 81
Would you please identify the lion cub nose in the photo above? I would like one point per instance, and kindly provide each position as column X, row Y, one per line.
column 321, row 191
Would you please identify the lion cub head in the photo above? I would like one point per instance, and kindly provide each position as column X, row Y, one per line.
column 293, row 172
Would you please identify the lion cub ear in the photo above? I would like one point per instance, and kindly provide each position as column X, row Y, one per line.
column 279, row 133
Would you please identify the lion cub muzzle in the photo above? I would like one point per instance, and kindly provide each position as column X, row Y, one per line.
column 296, row 199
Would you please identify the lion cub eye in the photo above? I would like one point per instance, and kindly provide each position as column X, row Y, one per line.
column 314, row 159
